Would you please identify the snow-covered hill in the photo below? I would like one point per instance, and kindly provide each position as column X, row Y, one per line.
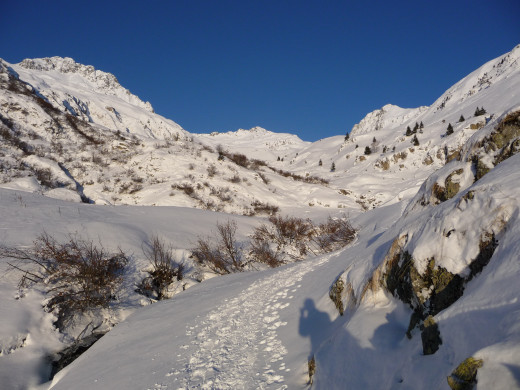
column 256, row 143
column 428, row 290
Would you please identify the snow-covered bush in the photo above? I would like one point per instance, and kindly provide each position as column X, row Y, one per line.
column 294, row 238
column 78, row 276
column 221, row 254
column 335, row 234
column 164, row 269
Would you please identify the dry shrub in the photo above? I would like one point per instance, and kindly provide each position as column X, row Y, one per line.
column 186, row 188
column 212, row 170
column 78, row 276
column 235, row 179
column 284, row 236
column 239, row 159
column 266, row 208
column 296, row 237
column 44, row 176
column 261, row 252
column 222, row 255
column 289, row 230
column 306, row 179
column 335, row 234
column 163, row 272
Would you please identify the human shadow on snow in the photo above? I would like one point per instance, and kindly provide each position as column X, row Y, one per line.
column 314, row 324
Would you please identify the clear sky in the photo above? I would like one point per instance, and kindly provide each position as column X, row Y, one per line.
column 313, row 68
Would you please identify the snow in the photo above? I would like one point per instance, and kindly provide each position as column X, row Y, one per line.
column 258, row 329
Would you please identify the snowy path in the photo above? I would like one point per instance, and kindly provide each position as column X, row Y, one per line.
column 236, row 346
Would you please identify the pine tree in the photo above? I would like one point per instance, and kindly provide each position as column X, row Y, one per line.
column 408, row 131
column 480, row 111
column 367, row 150
column 415, row 140
column 333, row 167
column 449, row 130
column 421, row 126
column 415, row 128
column 347, row 136
column 461, row 119
column 320, row 163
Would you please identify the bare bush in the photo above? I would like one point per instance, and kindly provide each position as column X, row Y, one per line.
column 295, row 238
column 235, row 179
column 212, row 170
column 335, row 234
column 266, row 208
column 223, row 254
column 186, row 188
column 306, row 179
column 78, row 276
column 256, row 164
column 44, row 176
column 262, row 252
column 239, row 159
column 289, row 230
column 164, row 269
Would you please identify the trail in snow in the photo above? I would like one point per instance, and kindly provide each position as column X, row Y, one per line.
column 236, row 345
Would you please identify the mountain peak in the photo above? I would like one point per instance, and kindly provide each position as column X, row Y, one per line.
column 388, row 115
column 103, row 82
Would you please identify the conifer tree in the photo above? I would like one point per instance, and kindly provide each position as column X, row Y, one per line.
column 421, row 126
column 408, row 131
column 320, row 163
column 333, row 167
column 415, row 140
column 461, row 119
column 347, row 136
column 449, row 130
column 480, row 111
column 367, row 150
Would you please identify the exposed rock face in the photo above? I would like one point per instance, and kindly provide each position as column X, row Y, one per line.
column 342, row 294
column 336, row 294
column 427, row 293
column 431, row 291
column 502, row 143
column 430, row 336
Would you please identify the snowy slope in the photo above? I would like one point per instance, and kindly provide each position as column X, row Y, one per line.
column 256, row 143
column 396, row 168
column 94, row 96
column 258, row 330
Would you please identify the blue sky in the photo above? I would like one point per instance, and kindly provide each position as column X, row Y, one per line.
column 313, row 68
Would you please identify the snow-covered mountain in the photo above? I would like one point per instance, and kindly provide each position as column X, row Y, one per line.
column 425, row 297
column 74, row 133
column 257, row 142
